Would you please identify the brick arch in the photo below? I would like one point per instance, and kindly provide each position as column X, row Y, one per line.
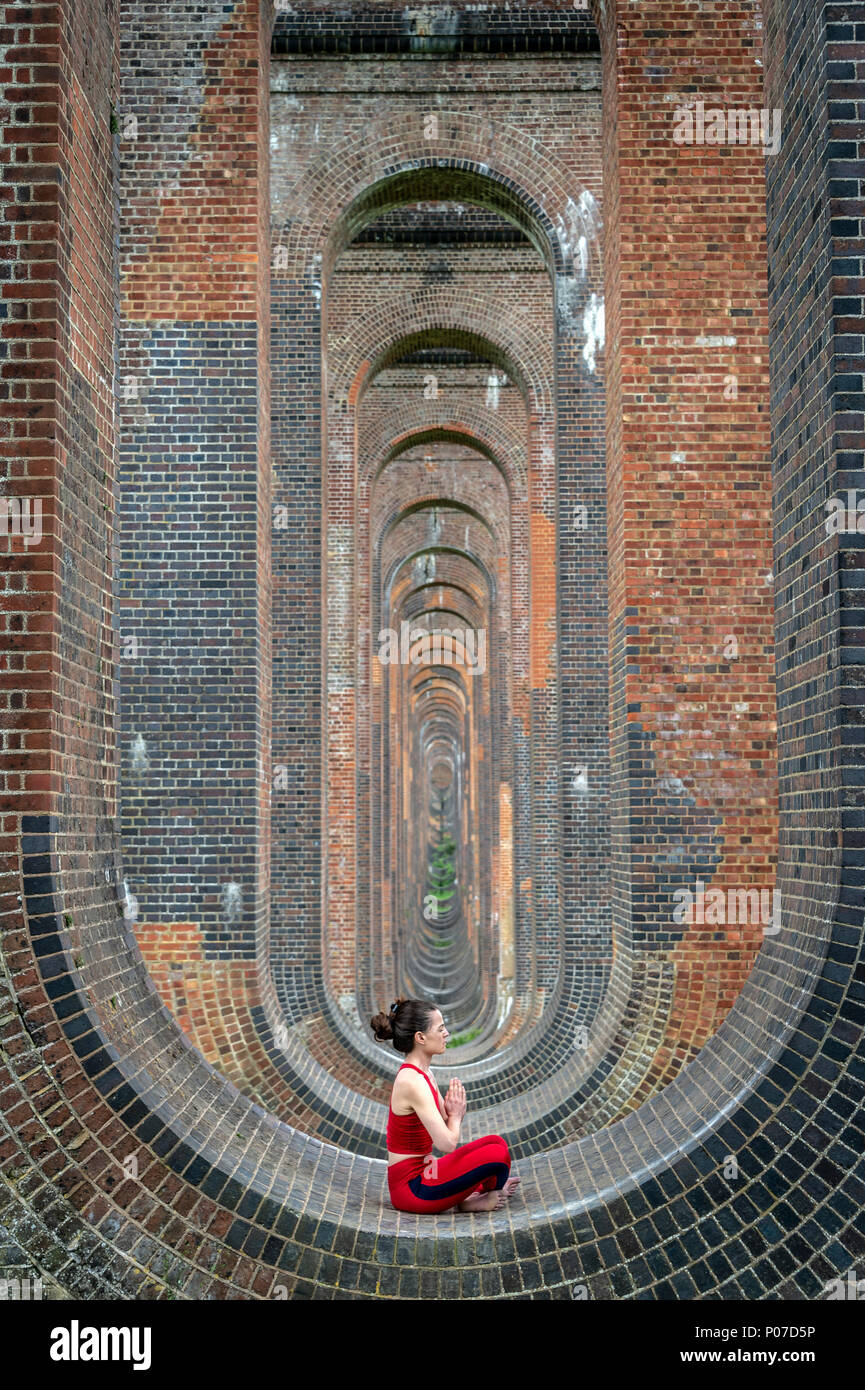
column 541, row 647
column 426, row 503
column 404, row 594
column 611, row 48
column 449, row 179
column 462, row 572
column 441, row 316
column 438, row 611
column 503, row 604
column 90, row 1102
column 467, row 599
column 479, row 435
column 460, row 490
column 360, row 178
column 498, row 530
column 447, row 959
column 403, row 561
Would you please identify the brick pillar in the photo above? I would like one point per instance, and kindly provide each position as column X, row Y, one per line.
column 817, row 250
column 693, row 711
column 339, row 791
column 57, row 319
column 194, row 499
column 296, row 906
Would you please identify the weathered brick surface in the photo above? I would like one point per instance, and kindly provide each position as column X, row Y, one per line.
column 443, row 290
column 331, row 138
column 193, row 552
column 116, row 1198
column 693, row 726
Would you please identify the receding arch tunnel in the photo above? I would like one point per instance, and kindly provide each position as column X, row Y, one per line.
column 454, row 370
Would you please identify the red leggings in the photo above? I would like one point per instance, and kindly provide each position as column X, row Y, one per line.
column 428, row 1184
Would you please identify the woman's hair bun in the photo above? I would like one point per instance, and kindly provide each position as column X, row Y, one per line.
column 403, row 1020
column 382, row 1028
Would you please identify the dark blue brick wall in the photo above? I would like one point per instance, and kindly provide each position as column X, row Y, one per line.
column 186, row 577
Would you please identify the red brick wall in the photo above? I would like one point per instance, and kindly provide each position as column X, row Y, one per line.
column 689, row 485
column 57, row 328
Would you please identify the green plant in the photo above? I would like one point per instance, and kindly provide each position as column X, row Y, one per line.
column 441, row 880
column 463, row 1038
column 441, row 869
column 441, row 896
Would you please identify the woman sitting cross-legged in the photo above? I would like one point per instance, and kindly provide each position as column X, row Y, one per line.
column 471, row 1177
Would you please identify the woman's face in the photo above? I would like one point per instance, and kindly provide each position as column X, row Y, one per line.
column 436, row 1035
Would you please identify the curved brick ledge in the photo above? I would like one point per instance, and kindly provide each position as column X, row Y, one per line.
column 284, row 1194
column 541, row 1097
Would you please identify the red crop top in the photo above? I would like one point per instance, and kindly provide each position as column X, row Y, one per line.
column 407, row 1134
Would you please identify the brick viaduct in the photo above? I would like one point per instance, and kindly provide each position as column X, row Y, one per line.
column 323, row 324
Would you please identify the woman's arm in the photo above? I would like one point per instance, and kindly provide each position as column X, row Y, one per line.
column 444, row 1134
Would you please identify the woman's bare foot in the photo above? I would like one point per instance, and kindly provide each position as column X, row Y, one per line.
column 507, row 1191
column 490, row 1201
column 481, row 1201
